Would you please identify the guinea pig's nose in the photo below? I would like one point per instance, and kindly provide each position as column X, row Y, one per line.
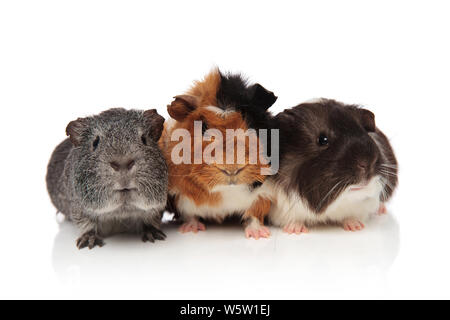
column 115, row 166
column 232, row 172
column 130, row 164
column 126, row 165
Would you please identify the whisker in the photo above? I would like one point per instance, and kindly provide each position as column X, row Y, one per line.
column 327, row 195
column 390, row 166
column 383, row 186
column 389, row 173
column 389, row 169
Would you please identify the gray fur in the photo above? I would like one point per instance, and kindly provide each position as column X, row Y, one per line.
column 84, row 185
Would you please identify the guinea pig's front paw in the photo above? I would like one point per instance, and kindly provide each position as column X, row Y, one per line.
column 382, row 209
column 295, row 227
column 257, row 232
column 352, row 224
column 152, row 233
column 192, row 226
column 90, row 240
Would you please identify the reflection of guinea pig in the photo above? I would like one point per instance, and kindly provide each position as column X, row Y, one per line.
column 336, row 166
column 214, row 188
column 110, row 176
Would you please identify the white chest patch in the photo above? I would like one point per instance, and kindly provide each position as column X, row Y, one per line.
column 352, row 203
column 236, row 199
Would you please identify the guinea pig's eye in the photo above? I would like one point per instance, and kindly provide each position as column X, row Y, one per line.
column 96, row 142
column 144, row 140
column 323, row 140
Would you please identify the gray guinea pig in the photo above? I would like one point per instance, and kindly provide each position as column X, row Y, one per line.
column 110, row 176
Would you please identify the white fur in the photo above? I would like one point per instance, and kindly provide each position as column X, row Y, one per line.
column 169, row 124
column 220, row 112
column 236, row 199
column 253, row 223
column 357, row 204
column 315, row 100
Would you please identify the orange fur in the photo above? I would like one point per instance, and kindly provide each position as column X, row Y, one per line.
column 206, row 90
column 196, row 181
column 259, row 209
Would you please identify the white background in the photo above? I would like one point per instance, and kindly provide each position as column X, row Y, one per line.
column 63, row 59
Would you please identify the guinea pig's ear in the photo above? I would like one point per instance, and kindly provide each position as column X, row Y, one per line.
column 261, row 97
column 284, row 120
column 182, row 106
column 75, row 130
column 155, row 122
column 367, row 119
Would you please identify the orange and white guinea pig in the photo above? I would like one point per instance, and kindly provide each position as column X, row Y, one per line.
column 214, row 188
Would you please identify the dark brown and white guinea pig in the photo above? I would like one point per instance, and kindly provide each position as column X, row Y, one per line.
column 336, row 166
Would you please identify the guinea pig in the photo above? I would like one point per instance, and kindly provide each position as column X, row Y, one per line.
column 336, row 167
column 110, row 176
column 215, row 188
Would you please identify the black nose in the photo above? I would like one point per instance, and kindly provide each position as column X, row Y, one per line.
column 125, row 166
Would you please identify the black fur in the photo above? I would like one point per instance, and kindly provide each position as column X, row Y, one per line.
column 255, row 185
column 251, row 100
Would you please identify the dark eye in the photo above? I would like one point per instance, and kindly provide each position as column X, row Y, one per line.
column 96, row 142
column 323, row 140
column 144, row 140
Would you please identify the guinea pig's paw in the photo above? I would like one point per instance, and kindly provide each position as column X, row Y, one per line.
column 295, row 227
column 192, row 226
column 352, row 224
column 382, row 209
column 257, row 232
column 90, row 240
column 152, row 233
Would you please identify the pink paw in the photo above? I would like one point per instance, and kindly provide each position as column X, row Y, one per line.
column 382, row 209
column 352, row 225
column 296, row 228
column 257, row 232
column 192, row 226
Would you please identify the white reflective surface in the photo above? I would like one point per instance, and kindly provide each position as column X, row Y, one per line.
column 205, row 265
column 64, row 60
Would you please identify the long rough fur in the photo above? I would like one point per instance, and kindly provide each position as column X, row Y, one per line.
column 83, row 185
column 202, row 190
